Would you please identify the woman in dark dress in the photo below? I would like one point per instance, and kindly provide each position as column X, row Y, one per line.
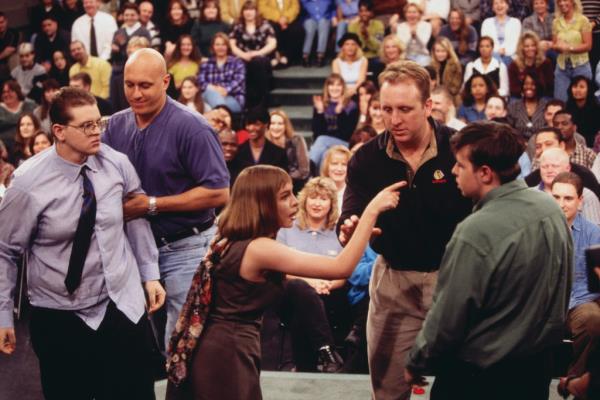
column 248, row 277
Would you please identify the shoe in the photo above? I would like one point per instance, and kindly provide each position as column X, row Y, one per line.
column 329, row 360
column 320, row 60
column 354, row 336
column 305, row 61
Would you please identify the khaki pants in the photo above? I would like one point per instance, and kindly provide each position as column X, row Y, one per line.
column 584, row 324
column 399, row 302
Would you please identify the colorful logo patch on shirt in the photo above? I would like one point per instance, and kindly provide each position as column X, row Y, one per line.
column 438, row 177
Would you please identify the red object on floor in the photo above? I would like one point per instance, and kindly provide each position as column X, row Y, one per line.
column 418, row 390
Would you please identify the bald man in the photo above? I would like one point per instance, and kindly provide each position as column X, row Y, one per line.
column 554, row 161
column 180, row 163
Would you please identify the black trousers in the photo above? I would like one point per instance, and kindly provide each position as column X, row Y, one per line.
column 526, row 378
column 78, row 363
column 259, row 74
column 289, row 40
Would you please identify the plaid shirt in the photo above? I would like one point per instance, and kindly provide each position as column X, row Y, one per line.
column 583, row 156
column 231, row 76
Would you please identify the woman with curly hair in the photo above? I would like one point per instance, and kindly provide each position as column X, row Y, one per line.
column 530, row 58
column 478, row 89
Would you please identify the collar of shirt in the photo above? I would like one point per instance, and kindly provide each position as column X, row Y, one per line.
column 576, row 226
column 72, row 170
column 132, row 29
column 429, row 153
column 500, row 191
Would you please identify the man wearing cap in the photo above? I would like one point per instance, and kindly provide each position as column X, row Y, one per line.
column 181, row 166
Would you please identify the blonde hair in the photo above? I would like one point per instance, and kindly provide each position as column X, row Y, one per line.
column 357, row 55
column 520, row 54
column 337, row 149
column 289, row 129
column 577, row 9
column 446, row 45
column 406, row 70
column 137, row 42
column 396, row 41
column 252, row 208
column 318, row 185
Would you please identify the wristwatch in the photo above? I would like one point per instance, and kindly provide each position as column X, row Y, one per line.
column 152, row 209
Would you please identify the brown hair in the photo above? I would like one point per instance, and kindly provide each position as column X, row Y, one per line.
column 251, row 211
column 205, row 5
column 14, row 86
column 20, row 141
column 35, row 135
column 330, row 79
column 318, row 185
column 64, row 100
column 405, row 70
column 194, row 55
column 570, row 178
column 520, row 56
column 289, row 129
column 337, row 149
column 250, row 5
column 220, row 35
column 198, row 102
column 186, row 14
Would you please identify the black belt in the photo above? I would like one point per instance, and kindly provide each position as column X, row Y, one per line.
column 182, row 234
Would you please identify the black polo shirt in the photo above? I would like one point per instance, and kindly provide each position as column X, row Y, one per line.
column 416, row 232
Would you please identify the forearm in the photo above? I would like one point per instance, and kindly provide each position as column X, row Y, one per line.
column 195, row 199
column 354, row 250
column 7, row 52
column 269, row 47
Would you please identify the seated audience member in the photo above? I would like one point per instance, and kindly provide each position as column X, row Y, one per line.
column 334, row 118
column 335, row 167
column 6, row 169
column 257, row 149
column 41, row 141
column 230, row 147
column 146, row 8
column 98, row 69
column 207, row 26
column 50, row 39
column 486, row 64
column 526, row 114
column 350, row 63
column 540, row 22
column 415, row 33
column 375, row 116
column 306, row 301
column 447, row 66
column 284, row 17
column 190, row 95
column 475, row 94
column 391, row 50
column 572, row 40
column 9, row 40
column 222, row 79
column 317, row 21
column 73, row 9
column 504, row 31
column 584, row 108
column 530, row 59
column 178, row 23
column 364, row 92
column 436, row 13
column 185, row 60
column 49, row 88
column 583, row 319
column 82, row 80
column 346, row 11
column 462, row 36
column 471, row 11
column 370, row 31
column 361, row 136
column 39, row 12
column 547, row 138
column 253, row 40
column 578, row 153
column 555, row 161
column 443, row 109
column 281, row 133
column 60, row 68
column 13, row 104
column 131, row 28
column 552, row 107
column 94, row 24
column 28, row 69
column 27, row 126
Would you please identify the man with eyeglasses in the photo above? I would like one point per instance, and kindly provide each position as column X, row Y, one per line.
column 88, row 270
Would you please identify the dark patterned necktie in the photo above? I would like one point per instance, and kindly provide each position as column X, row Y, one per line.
column 83, row 235
column 93, row 44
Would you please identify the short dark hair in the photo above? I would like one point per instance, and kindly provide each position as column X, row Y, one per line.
column 129, row 6
column 552, row 130
column 572, row 179
column 555, row 103
column 64, row 100
column 15, row 87
column 83, row 77
column 564, row 112
column 365, row 3
column 493, row 144
column 502, row 99
column 257, row 114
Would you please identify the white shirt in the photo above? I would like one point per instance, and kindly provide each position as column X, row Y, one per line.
column 512, row 32
column 441, row 8
column 105, row 26
column 493, row 65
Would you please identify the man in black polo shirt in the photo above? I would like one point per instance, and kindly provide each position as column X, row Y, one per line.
column 413, row 236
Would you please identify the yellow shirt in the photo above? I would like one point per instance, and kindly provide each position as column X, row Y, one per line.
column 572, row 34
column 181, row 71
column 99, row 70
